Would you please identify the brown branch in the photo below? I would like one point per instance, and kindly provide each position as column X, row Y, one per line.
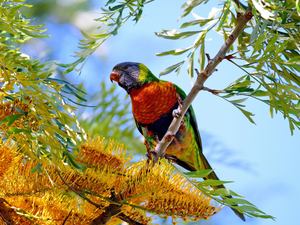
column 108, row 213
column 77, row 192
column 66, row 219
column 162, row 145
column 5, row 212
column 5, row 221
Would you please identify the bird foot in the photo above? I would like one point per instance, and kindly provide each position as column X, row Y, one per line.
column 170, row 137
column 170, row 158
column 176, row 113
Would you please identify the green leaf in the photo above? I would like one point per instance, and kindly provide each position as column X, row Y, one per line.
column 171, row 68
column 11, row 119
column 174, row 52
column 254, row 33
column 271, row 45
column 34, row 34
column 190, row 67
column 258, row 42
column 13, row 130
column 224, row 192
column 202, row 22
column 237, row 201
column 12, row 11
column 201, row 58
column 37, row 168
column 119, row 19
column 141, row 2
column 247, row 114
column 110, row 2
column 138, row 15
column 224, row 17
column 174, row 34
column 70, row 160
column 247, row 208
column 260, row 93
column 115, row 8
column 199, row 173
column 238, row 100
column 210, row 182
column 189, row 5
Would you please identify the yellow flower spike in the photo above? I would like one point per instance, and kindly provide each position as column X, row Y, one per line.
column 177, row 198
column 8, row 156
column 50, row 208
column 100, row 153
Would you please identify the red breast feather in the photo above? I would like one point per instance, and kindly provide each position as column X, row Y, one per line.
column 153, row 100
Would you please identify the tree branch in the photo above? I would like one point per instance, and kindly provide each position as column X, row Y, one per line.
column 6, row 221
column 66, row 219
column 162, row 145
column 4, row 210
column 77, row 192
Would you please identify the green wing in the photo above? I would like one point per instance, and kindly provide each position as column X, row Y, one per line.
column 193, row 120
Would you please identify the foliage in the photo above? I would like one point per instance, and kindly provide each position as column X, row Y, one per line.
column 110, row 116
column 268, row 47
column 113, row 19
column 40, row 133
column 33, row 109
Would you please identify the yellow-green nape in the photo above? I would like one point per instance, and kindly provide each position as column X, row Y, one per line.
column 143, row 72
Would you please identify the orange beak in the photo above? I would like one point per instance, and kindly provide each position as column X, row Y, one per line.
column 114, row 76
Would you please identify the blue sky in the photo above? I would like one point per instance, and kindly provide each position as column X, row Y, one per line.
column 268, row 154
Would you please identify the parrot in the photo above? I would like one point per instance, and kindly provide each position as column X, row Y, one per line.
column 153, row 102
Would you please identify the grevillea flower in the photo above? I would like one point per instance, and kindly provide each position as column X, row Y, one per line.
column 161, row 190
column 8, row 156
column 100, row 153
column 140, row 189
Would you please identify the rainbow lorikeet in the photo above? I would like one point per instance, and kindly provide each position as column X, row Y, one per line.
column 153, row 102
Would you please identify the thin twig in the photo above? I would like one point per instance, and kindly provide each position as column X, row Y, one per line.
column 66, row 219
column 5, row 220
column 4, row 208
column 77, row 192
column 162, row 145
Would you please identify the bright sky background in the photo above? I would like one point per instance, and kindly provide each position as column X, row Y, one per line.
column 269, row 156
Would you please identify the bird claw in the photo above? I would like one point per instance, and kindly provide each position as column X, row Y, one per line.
column 170, row 137
column 152, row 152
column 170, row 158
column 147, row 155
column 176, row 113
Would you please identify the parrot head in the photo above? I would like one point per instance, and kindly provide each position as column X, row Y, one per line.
column 131, row 75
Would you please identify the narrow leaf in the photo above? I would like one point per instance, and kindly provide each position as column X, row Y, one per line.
column 171, row 68
column 10, row 119
column 175, row 51
column 210, row 182
column 199, row 173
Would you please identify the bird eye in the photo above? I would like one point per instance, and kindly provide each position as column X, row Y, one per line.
column 125, row 67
